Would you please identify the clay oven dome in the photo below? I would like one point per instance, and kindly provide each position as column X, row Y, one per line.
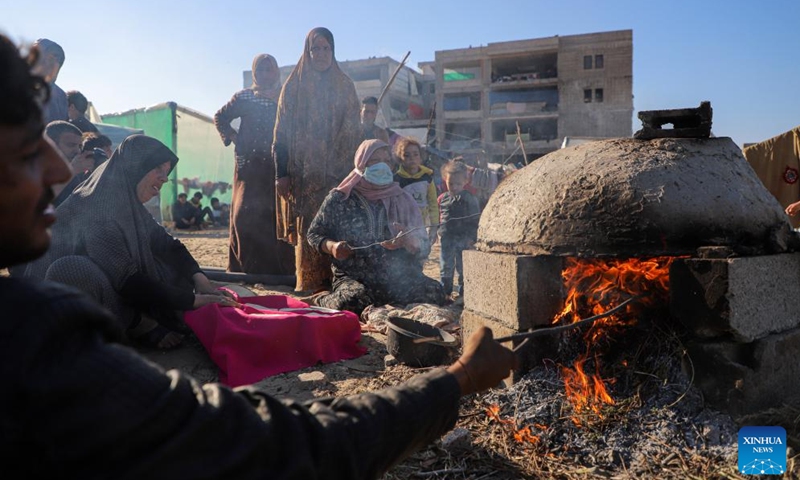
column 630, row 197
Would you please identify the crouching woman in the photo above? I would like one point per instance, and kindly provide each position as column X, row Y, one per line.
column 107, row 244
column 374, row 231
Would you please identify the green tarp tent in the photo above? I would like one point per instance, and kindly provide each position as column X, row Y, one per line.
column 205, row 165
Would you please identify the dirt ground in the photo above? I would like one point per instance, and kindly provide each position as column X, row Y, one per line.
column 525, row 431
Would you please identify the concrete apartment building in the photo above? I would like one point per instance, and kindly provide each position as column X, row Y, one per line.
column 575, row 85
column 556, row 87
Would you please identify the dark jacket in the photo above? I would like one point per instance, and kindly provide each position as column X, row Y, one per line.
column 88, row 407
column 453, row 209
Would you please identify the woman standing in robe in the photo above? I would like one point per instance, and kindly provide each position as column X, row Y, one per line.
column 253, row 245
column 316, row 135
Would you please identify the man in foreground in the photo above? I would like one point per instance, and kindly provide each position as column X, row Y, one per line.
column 91, row 408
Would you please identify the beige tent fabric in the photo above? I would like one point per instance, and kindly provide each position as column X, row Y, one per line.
column 777, row 163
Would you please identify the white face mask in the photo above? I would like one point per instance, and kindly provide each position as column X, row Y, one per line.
column 379, row 174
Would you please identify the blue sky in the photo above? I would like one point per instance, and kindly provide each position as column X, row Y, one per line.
column 743, row 56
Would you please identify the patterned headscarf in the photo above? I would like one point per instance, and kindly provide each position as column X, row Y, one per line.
column 269, row 91
column 401, row 208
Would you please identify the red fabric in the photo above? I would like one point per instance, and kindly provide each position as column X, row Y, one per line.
column 249, row 344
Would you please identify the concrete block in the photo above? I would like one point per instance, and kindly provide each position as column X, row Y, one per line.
column 519, row 291
column 746, row 297
column 744, row 379
column 774, row 381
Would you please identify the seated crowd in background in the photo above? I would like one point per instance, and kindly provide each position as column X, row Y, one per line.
column 191, row 215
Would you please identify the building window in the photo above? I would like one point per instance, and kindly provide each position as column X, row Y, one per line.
column 587, row 62
column 598, row 94
column 598, row 61
column 587, row 95
column 433, row 88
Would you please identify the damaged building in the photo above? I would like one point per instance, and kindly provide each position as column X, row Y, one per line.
column 553, row 88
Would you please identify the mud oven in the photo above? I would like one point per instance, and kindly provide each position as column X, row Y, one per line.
column 733, row 279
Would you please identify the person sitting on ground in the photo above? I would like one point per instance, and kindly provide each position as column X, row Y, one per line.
column 369, row 112
column 92, row 140
column 417, row 179
column 200, row 212
column 76, row 111
column 67, row 138
column 93, row 408
column 183, row 213
column 460, row 215
column 108, row 245
column 373, row 230
column 221, row 212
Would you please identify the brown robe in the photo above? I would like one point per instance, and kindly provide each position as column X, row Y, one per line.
column 254, row 246
column 317, row 132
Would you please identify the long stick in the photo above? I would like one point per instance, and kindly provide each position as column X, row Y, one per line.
column 561, row 328
column 430, row 124
column 521, row 144
column 391, row 79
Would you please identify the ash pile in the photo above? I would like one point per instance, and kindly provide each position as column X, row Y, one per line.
column 656, row 425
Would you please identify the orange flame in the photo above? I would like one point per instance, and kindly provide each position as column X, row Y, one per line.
column 594, row 286
column 521, row 435
column 524, row 435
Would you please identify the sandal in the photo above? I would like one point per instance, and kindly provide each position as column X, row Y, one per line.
column 150, row 334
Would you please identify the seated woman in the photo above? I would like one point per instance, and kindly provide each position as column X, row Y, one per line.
column 107, row 244
column 373, row 230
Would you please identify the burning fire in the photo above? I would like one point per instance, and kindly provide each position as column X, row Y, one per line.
column 521, row 435
column 595, row 286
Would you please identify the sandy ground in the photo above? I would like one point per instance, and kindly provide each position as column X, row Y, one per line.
column 210, row 249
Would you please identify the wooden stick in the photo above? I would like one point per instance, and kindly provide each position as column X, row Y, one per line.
column 521, row 143
column 391, row 79
column 430, row 124
column 561, row 328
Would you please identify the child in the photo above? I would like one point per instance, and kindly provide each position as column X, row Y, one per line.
column 457, row 233
column 417, row 179
column 221, row 212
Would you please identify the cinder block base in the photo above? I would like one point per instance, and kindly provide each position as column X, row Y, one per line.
column 519, row 291
column 746, row 298
column 749, row 378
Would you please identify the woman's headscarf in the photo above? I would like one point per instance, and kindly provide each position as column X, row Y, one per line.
column 317, row 130
column 104, row 219
column 400, row 206
column 269, row 91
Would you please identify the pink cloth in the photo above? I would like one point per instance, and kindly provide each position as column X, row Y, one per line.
column 249, row 344
column 401, row 208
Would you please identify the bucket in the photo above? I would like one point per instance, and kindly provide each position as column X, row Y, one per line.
column 400, row 343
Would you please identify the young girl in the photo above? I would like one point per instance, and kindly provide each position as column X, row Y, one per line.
column 417, row 179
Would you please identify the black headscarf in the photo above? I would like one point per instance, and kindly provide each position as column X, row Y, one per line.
column 104, row 219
